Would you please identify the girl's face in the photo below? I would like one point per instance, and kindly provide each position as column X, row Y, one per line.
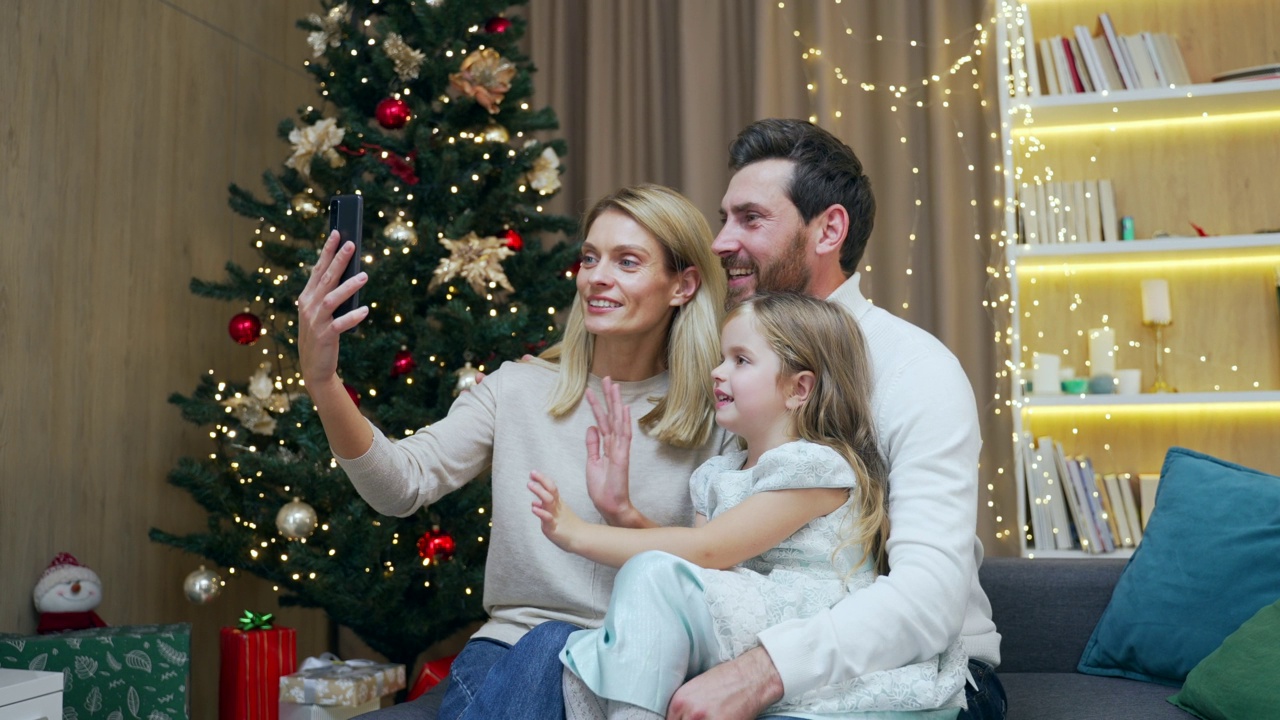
column 751, row 397
column 623, row 284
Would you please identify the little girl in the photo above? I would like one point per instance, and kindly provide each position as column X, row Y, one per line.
column 785, row 528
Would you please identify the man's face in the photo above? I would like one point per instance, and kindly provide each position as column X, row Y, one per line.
column 763, row 243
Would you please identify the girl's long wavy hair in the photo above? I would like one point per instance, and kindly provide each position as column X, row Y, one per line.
column 685, row 416
column 823, row 338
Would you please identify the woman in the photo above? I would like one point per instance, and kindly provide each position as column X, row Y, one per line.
column 646, row 314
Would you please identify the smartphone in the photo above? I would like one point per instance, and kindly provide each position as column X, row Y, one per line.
column 346, row 215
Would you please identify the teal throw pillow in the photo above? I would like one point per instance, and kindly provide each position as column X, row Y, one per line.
column 1208, row 561
column 1238, row 680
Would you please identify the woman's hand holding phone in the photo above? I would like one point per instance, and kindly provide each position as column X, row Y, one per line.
column 318, row 329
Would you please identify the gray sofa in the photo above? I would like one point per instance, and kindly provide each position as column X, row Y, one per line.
column 1045, row 610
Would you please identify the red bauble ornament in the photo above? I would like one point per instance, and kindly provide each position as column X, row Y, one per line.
column 355, row 395
column 392, row 113
column 403, row 364
column 514, row 241
column 245, row 328
column 436, row 546
column 497, row 25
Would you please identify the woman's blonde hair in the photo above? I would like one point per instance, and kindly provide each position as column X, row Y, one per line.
column 824, row 339
column 685, row 416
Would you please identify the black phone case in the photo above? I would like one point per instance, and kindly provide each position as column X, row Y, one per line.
column 346, row 215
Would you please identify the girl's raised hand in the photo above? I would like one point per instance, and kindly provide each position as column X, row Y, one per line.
column 318, row 330
column 559, row 523
column 609, row 455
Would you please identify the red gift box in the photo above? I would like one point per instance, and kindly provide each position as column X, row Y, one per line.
column 252, row 663
column 431, row 674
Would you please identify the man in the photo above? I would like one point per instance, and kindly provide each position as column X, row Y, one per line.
column 797, row 216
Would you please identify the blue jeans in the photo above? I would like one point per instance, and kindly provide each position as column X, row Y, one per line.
column 987, row 701
column 493, row 680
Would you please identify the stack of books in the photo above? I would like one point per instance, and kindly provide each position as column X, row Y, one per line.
column 1073, row 507
column 1060, row 212
column 1095, row 60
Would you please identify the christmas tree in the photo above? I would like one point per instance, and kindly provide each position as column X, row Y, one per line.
column 425, row 113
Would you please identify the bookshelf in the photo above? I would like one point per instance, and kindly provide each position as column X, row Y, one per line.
column 1200, row 154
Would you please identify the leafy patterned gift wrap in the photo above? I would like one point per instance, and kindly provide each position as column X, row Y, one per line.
column 112, row 673
column 329, row 681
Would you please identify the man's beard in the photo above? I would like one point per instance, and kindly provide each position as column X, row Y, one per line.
column 787, row 273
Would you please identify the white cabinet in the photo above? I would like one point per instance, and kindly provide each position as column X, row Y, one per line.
column 28, row 695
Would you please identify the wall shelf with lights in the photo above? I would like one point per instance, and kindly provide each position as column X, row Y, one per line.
column 1190, row 102
column 1226, row 401
column 1201, row 155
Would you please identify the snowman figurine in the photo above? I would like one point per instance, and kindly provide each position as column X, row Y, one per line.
column 65, row 596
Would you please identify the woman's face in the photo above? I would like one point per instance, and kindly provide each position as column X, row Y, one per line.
column 624, row 285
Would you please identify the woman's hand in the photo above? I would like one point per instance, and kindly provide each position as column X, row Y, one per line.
column 609, row 456
column 560, row 524
column 318, row 330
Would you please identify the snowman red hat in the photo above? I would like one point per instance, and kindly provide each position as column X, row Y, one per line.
column 65, row 569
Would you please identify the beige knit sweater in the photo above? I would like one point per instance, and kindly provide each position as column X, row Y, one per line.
column 503, row 423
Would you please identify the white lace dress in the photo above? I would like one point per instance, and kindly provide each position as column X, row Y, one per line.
column 666, row 610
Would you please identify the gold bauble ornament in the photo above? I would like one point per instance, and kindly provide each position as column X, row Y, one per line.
column 468, row 376
column 400, row 232
column 495, row 133
column 305, row 204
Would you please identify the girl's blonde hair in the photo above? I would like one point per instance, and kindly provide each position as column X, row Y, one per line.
column 822, row 338
column 685, row 416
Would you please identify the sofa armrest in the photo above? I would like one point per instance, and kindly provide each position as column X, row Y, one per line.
column 1045, row 609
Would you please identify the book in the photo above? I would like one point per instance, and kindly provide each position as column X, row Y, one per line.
column 1084, row 43
column 1141, row 61
column 1108, row 63
column 1042, row 212
column 1078, row 82
column 1037, row 518
column 1107, row 211
column 1077, row 501
column 1147, row 484
column 1163, row 77
column 1066, row 84
column 1029, row 51
column 1108, row 510
column 1081, row 66
column 1048, row 67
column 1092, row 212
column 1124, row 535
column 1130, row 501
column 1175, row 61
column 1269, row 70
column 1084, row 466
column 1079, row 221
column 1117, row 51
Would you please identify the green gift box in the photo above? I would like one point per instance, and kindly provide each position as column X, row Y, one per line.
column 134, row 670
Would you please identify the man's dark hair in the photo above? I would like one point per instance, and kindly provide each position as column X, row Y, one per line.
column 826, row 173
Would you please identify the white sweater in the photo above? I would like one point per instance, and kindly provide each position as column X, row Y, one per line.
column 927, row 425
column 503, row 422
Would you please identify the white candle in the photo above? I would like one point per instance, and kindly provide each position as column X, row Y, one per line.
column 1045, row 379
column 1102, row 351
column 1155, row 303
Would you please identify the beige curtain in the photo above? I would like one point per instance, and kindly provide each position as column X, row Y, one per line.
column 654, row 91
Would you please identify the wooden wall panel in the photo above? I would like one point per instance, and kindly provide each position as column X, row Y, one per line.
column 123, row 125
